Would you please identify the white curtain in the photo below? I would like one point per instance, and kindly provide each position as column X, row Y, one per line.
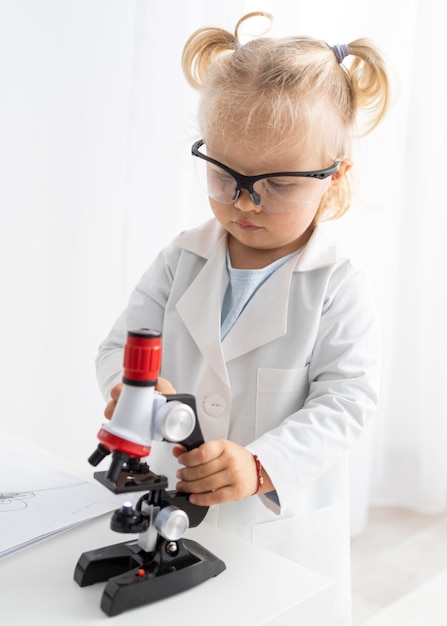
column 95, row 176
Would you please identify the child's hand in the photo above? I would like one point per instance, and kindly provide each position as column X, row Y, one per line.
column 163, row 386
column 110, row 406
column 218, row 471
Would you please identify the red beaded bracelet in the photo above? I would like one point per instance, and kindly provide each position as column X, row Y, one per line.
column 259, row 472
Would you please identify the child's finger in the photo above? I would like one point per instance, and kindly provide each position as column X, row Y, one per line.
column 205, row 453
column 164, row 386
column 116, row 392
column 177, row 450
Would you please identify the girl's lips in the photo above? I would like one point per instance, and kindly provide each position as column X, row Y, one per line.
column 244, row 225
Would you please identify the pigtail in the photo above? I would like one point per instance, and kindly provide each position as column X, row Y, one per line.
column 369, row 82
column 206, row 44
column 200, row 51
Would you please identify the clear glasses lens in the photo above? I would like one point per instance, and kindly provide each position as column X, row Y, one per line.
column 215, row 181
column 221, row 186
column 287, row 193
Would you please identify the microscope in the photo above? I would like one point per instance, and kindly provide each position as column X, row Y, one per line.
column 160, row 562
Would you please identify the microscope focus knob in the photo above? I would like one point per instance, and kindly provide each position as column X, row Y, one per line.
column 175, row 421
column 172, row 523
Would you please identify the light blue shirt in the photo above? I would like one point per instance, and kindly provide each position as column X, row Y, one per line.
column 242, row 286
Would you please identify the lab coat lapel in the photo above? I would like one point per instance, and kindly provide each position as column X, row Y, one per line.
column 265, row 316
column 200, row 309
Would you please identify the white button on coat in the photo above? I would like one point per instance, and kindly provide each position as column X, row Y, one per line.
column 214, row 405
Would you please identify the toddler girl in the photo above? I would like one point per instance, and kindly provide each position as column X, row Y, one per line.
column 263, row 318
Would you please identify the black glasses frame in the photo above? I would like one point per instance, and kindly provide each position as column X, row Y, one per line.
column 247, row 182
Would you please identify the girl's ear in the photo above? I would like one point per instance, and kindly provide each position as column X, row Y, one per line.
column 342, row 170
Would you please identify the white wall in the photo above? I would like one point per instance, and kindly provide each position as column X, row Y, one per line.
column 64, row 115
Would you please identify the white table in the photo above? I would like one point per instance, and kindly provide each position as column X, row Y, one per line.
column 257, row 587
column 37, row 586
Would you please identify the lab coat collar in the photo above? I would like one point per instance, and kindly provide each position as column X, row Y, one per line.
column 320, row 251
column 251, row 329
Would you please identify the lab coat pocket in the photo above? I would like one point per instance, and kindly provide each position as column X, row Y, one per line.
column 279, row 393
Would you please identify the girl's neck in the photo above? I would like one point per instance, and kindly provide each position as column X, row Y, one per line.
column 245, row 258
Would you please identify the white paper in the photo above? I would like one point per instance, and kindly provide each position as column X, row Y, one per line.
column 37, row 500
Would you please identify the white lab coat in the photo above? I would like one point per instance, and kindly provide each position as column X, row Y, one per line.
column 295, row 381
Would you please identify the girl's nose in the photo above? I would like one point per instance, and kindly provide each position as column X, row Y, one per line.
column 245, row 203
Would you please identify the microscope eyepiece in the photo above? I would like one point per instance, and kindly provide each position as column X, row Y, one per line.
column 142, row 357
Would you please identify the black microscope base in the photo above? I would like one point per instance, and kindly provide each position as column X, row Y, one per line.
column 136, row 578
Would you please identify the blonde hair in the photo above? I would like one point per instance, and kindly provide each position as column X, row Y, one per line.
column 287, row 83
